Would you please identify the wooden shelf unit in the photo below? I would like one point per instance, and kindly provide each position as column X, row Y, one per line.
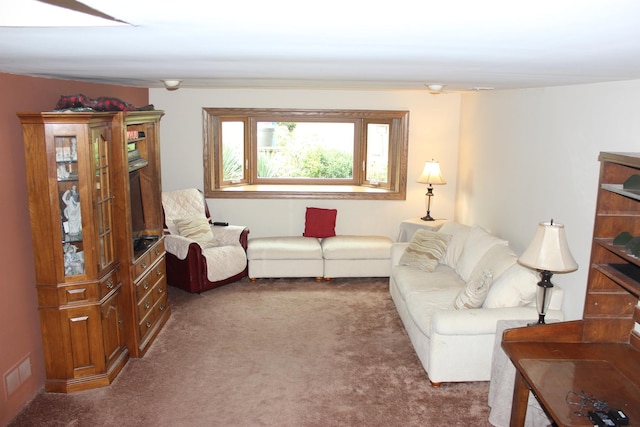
column 599, row 354
column 100, row 299
column 141, row 241
column 70, row 175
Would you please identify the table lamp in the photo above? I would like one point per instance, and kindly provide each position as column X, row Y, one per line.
column 548, row 253
column 430, row 175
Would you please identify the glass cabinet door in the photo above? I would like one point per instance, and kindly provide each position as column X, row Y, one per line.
column 70, row 204
column 104, row 199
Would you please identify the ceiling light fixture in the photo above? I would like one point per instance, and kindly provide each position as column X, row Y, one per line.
column 172, row 84
column 435, row 88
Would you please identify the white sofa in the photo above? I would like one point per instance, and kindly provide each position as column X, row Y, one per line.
column 456, row 344
column 328, row 258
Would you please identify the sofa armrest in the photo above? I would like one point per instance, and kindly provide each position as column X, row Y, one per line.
column 397, row 249
column 478, row 321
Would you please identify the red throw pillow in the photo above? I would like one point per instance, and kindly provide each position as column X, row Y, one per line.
column 320, row 222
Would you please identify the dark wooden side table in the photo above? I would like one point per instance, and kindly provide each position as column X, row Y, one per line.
column 556, row 365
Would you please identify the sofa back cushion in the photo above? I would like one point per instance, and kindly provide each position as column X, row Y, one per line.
column 490, row 267
column 514, row 288
column 475, row 291
column 458, row 233
column 476, row 245
column 425, row 250
column 496, row 259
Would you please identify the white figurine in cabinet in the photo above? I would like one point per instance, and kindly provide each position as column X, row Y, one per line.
column 73, row 260
column 71, row 199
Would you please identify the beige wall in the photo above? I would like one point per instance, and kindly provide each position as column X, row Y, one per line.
column 19, row 322
column 524, row 156
column 527, row 156
column 433, row 133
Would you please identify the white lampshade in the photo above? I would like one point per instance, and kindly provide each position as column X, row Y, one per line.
column 549, row 250
column 431, row 174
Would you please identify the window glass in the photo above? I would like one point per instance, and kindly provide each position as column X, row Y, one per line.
column 377, row 166
column 309, row 150
column 232, row 151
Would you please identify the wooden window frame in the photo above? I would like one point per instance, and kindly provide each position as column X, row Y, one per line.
column 253, row 187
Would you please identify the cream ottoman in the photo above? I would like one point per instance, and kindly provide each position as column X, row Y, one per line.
column 284, row 257
column 356, row 256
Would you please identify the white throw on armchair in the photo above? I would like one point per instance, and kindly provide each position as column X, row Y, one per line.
column 200, row 256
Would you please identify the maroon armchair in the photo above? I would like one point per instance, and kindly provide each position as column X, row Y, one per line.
column 200, row 255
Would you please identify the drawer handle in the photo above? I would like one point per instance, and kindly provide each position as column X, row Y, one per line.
column 158, row 272
column 148, row 324
column 145, row 285
column 157, row 251
column 161, row 307
column 160, row 289
column 146, row 305
column 110, row 283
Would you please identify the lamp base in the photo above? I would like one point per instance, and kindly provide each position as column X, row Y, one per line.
column 539, row 322
column 427, row 217
column 543, row 295
column 429, row 194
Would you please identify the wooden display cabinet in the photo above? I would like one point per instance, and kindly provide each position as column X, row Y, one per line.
column 139, row 218
column 599, row 354
column 78, row 279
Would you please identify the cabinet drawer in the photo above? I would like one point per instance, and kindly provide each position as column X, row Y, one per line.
column 607, row 303
column 144, row 286
column 71, row 294
column 158, row 273
column 80, row 292
column 144, row 261
column 141, row 265
column 157, row 251
column 160, row 290
column 150, row 280
column 147, row 323
column 145, row 305
column 109, row 282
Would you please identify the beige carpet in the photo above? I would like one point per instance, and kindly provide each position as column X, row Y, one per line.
column 273, row 353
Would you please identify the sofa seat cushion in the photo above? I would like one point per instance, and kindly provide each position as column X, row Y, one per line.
column 356, row 247
column 422, row 305
column 411, row 281
column 284, row 248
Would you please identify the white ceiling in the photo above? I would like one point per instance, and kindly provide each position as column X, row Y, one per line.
column 392, row 44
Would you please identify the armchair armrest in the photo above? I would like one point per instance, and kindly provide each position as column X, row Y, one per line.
column 178, row 245
column 231, row 235
column 478, row 321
